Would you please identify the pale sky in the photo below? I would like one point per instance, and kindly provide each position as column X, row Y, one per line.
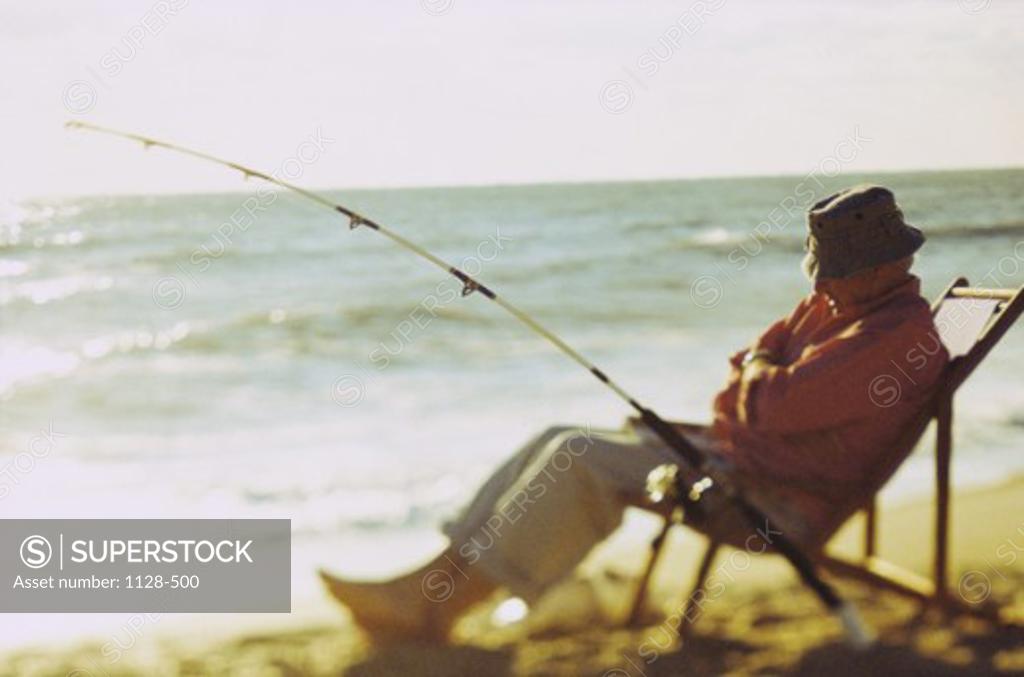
column 435, row 92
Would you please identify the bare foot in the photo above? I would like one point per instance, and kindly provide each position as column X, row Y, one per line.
column 387, row 611
column 422, row 605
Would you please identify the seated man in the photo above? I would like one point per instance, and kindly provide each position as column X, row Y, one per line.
column 808, row 409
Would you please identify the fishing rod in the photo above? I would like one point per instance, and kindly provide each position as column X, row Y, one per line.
column 692, row 456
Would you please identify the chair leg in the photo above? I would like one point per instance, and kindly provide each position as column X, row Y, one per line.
column 943, row 452
column 886, row 576
column 657, row 545
column 870, row 528
column 695, row 598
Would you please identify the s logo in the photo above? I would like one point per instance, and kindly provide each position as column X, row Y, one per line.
column 36, row 552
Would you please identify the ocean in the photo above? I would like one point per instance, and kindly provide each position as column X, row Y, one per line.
column 180, row 356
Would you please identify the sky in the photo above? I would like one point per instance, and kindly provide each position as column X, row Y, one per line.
column 442, row 92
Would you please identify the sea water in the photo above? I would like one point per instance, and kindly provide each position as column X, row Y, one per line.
column 194, row 356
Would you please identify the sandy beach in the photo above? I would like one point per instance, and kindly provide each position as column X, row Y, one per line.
column 314, row 302
column 763, row 622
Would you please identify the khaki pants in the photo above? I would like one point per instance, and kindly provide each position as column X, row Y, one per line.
column 562, row 493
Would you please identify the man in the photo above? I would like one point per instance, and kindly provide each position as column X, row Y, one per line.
column 807, row 411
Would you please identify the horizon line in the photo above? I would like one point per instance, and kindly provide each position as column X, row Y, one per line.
column 528, row 184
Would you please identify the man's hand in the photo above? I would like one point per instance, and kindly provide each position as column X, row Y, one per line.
column 744, row 366
column 755, row 362
column 736, row 359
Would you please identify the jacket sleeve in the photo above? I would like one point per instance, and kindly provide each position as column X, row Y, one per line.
column 853, row 376
column 775, row 337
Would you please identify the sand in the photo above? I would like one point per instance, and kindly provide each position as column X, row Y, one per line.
column 761, row 622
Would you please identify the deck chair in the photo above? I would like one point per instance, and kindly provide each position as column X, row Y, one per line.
column 970, row 322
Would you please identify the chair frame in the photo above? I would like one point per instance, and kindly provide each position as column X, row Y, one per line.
column 870, row 568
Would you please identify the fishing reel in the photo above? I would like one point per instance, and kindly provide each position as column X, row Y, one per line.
column 668, row 487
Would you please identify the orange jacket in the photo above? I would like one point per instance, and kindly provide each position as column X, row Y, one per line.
column 844, row 386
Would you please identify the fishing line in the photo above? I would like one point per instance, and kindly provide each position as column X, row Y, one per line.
column 692, row 456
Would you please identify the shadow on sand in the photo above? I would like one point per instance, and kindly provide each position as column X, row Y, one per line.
column 975, row 654
column 423, row 660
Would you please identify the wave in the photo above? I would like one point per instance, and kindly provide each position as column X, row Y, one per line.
column 656, row 225
column 25, row 364
column 406, row 333
column 790, row 239
column 29, row 364
column 13, row 268
column 40, row 292
column 195, row 257
column 13, row 214
column 363, row 503
column 14, row 238
column 1010, row 228
column 27, row 225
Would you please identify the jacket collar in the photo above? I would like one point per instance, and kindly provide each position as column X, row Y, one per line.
column 910, row 287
